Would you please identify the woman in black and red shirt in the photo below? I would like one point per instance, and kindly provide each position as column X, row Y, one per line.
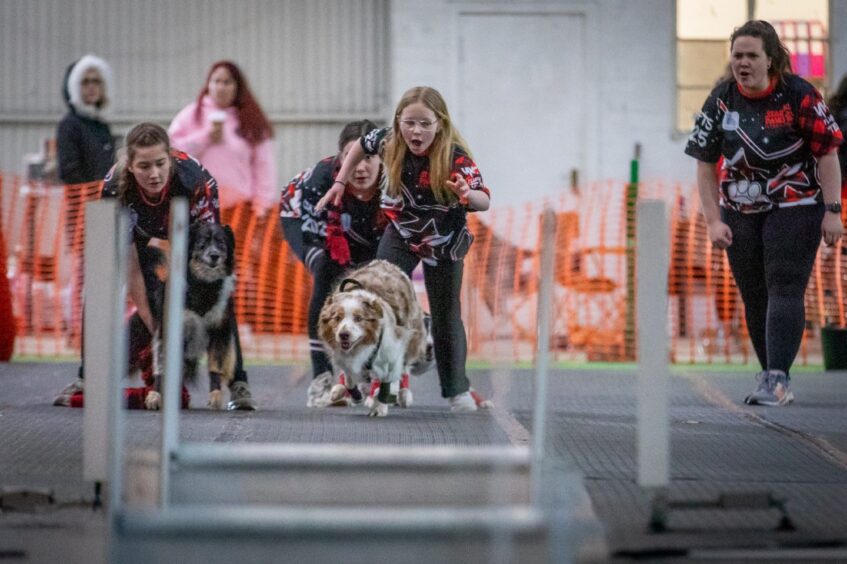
column 333, row 240
column 152, row 176
column 777, row 193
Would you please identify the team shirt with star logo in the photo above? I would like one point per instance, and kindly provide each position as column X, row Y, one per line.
column 361, row 222
column 436, row 232
column 770, row 143
column 188, row 180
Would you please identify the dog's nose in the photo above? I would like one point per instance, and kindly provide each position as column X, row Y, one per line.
column 214, row 257
column 344, row 336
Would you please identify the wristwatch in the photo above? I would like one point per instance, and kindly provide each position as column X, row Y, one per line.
column 833, row 207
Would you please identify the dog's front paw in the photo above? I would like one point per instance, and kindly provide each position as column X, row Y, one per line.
column 216, row 399
column 153, row 400
column 404, row 398
column 378, row 409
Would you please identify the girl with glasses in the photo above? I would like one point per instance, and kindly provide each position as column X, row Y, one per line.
column 431, row 183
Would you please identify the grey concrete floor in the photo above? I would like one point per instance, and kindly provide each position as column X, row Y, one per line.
column 718, row 446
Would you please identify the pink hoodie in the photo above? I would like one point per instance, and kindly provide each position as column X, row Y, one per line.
column 244, row 172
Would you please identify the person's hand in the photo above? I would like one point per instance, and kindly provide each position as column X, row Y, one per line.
column 216, row 134
column 260, row 212
column 719, row 234
column 459, row 186
column 332, row 196
column 831, row 228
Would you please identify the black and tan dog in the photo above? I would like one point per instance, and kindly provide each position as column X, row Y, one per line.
column 209, row 326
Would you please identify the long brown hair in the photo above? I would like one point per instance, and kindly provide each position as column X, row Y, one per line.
column 145, row 134
column 771, row 44
column 440, row 152
column 253, row 124
column 838, row 101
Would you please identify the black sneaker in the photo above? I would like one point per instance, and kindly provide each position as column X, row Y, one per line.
column 240, row 398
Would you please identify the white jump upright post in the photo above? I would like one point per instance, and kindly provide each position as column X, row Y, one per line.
column 174, row 305
column 542, row 358
column 653, row 375
column 105, row 345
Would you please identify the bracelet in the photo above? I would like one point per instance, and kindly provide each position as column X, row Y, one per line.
column 334, row 182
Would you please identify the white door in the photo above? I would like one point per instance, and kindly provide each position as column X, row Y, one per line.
column 522, row 100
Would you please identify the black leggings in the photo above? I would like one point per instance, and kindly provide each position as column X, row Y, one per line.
column 771, row 257
column 325, row 272
column 443, row 288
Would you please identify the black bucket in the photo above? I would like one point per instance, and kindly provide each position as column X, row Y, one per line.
column 834, row 343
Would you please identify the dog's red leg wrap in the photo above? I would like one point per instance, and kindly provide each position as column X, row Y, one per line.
column 404, row 381
column 478, row 399
column 374, row 388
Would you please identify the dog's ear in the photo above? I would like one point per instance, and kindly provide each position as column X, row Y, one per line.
column 325, row 321
column 373, row 306
column 193, row 230
column 230, row 242
column 230, row 237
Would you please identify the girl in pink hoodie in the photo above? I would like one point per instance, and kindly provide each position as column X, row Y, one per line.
column 226, row 130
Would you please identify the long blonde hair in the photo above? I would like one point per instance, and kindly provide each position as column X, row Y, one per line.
column 440, row 152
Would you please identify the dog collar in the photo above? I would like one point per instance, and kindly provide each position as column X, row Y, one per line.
column 370, row 362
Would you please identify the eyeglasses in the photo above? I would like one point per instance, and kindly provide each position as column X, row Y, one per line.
column 424, row 124
column 95, row 81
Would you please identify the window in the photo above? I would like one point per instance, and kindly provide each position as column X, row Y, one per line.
column 703, row 28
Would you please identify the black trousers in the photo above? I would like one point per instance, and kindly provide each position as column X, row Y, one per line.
column 771, row 257
column 443, row 288
column 325, row 272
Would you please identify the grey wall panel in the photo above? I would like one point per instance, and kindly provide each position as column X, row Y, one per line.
column 312, row 64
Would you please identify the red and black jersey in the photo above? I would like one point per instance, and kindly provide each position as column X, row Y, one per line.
column 436, row 232
column 188, row 179
column 770, row 143
column 360, row 222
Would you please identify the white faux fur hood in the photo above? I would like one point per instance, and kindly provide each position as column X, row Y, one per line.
column 73, row 87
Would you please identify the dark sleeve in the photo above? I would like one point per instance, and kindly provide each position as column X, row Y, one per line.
column 372, row 141
column 817, row 124
column 289, row 200
column 68, row 152
column 313, row 188
column 110, row 184
column 464, row 165
column 704, row 143
column 205, row 206
column 110, row 190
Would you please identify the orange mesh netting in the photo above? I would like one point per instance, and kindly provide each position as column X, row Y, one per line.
column 43, row 229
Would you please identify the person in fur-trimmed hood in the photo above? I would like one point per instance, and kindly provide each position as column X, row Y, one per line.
column 84, row 144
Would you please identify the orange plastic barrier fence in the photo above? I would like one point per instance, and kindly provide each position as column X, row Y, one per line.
column 43, row 229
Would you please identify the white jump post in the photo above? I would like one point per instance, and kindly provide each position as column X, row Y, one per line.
column 174, row 305
column 653, row 374
column 105, row 344
column 542, row 358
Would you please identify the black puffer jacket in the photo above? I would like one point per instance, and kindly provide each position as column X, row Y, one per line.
column 85, row 148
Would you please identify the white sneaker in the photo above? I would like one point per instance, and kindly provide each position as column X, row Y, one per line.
column 318, row 393
column 462, row 403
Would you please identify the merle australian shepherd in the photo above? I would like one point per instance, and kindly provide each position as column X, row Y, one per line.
column 374, row 328
column 209, row 326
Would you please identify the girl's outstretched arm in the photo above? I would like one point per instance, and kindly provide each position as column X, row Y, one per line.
column 476, row 200
column 334, row 194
